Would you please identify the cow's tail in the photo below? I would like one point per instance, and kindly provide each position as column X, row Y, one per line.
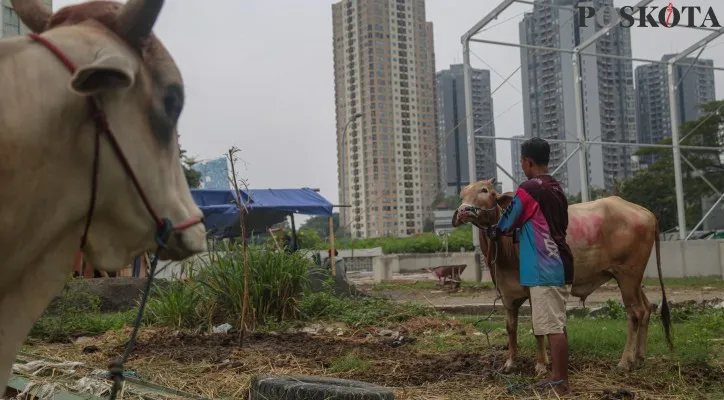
column 665, row 314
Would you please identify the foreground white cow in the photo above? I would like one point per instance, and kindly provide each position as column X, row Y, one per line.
column 46, row 153
column 610, row 238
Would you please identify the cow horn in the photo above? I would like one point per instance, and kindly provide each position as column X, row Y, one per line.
column 136, row 19
column 33, row 13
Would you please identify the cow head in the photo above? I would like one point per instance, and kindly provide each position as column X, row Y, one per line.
column 480, row 204
column 126, row 67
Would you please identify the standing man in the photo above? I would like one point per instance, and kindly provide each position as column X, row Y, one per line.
column 540, row 209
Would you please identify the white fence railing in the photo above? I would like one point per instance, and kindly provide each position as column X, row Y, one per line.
column 679, row 259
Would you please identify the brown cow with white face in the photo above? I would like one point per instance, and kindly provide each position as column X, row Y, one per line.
column 610, row 238
column 47, row 139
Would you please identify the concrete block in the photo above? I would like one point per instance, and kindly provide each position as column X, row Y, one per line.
column 382, row 268
column 702, row 258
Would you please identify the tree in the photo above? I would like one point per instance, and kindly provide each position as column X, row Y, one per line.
column 309, row 239
column 428, row 225
column 320, row 224
column 596, row 193
column 654, row 188
column 193, row 177
column 452, row 202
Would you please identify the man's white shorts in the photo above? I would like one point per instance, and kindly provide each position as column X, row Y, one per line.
column 548, row 309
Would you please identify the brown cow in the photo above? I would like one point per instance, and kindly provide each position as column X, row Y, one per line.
column 47, row 138
column 611, row 238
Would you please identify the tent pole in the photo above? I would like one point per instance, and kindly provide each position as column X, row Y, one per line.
column 331, row 245
column 294, row 234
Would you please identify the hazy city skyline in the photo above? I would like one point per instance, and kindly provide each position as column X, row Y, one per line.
column 260, row 76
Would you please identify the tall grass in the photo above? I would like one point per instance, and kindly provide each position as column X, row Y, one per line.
column 214, row 293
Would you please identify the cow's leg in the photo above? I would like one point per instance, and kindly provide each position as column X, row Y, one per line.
column 24, row 301
column 635, row 310
column 642, row 342
column 541, row 356
column 511, row 325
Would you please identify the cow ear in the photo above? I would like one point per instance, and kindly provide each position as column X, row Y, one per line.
column 505, row 199
column 104, row 74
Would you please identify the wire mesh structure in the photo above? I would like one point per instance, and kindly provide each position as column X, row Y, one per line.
column 581, row 145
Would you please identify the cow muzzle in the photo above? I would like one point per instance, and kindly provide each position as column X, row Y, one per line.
column 183, row 240
column 467, row 213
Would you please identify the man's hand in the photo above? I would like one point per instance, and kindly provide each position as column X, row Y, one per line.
column 492, row 232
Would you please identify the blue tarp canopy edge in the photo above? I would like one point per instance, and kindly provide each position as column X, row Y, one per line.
column 266, row 207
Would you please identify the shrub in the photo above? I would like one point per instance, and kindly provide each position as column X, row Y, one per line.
column 215, row 293
column 461, row 237
column 76, row 313
column 178, row 304
column 276, row 281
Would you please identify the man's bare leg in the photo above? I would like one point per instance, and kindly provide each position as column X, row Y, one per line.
column 559, row 361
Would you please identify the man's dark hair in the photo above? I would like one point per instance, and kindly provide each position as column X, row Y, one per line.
column 537, row 150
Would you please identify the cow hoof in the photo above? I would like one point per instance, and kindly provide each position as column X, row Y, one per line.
column 508, row 367
column 540, row 369
column 625, row 366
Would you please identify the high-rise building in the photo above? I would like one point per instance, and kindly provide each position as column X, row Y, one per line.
column 384, row 67
column 606, row 84
column 652, row 97
column 214, row 173
column 452, row 128
column 10, row 24
column 517, row 171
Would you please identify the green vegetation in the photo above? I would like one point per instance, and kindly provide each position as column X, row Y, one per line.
column 362, row 312
column 350, row 362
column 278, row 293
column 596, row 193
column 449, row 202
column 461, row 237
column 215, row 291
column 653, row 188
column 696, row 335
column 684, row 283
column 76, row 314
column 193, row 177
column 320, row 225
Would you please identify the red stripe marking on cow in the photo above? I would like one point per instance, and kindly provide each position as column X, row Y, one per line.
column 585, row 229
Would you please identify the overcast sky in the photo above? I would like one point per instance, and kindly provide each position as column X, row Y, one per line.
column 259, row 75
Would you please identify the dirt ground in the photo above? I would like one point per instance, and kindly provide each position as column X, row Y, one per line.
column 476, row 295
column 216, row 366
column 417, row 367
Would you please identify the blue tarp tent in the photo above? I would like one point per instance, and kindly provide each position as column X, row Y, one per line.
column 266, row 207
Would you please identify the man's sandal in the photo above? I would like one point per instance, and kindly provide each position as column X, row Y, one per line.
column 551, row 384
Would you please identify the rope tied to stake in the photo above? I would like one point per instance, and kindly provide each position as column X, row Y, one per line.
column 115, row 368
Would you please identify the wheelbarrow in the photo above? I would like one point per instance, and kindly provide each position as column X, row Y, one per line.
column 444, row 272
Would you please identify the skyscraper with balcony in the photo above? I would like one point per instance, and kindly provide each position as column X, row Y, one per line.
column 606, row 85
column 10, row 24
column 652, row 97
column 384, row 67
column 452, row 128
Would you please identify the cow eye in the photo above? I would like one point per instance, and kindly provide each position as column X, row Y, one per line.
column 173, row 102
column 483, row 190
